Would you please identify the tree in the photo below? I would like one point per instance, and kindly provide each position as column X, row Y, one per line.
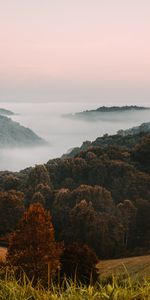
column 141, row 154
column 38, row 198
column 79, row 261
column 11, row 210
column 32, row 247
column 37, row 176
column 11, row 182
column 126, row 213
column 143, row 223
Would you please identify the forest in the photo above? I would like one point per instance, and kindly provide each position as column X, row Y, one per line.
column 99, row 198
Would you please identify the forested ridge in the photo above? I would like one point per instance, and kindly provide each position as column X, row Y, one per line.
column 99, row 198
column 12, row 134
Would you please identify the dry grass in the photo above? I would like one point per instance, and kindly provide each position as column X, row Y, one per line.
column 136, row 267
column 3, row 252
column 128, row 289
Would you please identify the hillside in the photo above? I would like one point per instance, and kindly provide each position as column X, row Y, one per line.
column 123, row 138
column 12, row 134
column 100, row 197
column 137, row 267
column 6, row 112
column 104, row 111
column 145, row 127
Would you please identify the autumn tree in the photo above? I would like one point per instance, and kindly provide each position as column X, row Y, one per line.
column 32, row 247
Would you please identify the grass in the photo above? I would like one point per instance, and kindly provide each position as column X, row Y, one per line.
column 136, row 267
column 14, row 290
column 130, row 281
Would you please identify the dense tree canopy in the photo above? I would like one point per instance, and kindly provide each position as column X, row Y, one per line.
column 100, row 197
column 11, row 210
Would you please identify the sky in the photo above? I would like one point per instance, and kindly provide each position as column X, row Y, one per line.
column 75, row 50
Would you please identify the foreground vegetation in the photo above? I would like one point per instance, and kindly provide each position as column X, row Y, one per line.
column 125, row 278
column 12, row 289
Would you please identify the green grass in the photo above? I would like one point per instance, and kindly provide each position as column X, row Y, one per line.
column 121, row 279
column 11, row 289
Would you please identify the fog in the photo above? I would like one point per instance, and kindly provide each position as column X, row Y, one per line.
column 47, row 120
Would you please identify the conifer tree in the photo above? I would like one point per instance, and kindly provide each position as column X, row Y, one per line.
column 32, row 246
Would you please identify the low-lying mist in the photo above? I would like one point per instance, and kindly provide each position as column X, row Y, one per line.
column 61, row 133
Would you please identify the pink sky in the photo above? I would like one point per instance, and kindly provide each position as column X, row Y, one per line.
column 84, row 43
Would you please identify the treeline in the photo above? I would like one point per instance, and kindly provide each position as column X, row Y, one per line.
column 99, row 198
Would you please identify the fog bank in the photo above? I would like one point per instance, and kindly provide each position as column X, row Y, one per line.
column 46, row 119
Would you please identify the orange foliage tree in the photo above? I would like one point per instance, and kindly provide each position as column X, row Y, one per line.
column 32, row 247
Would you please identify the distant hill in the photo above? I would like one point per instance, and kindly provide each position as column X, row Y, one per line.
column 96, row 113
column 124, row 138
column 118, row 108
column 145, row 127
column 13, row 134
column 6, row 112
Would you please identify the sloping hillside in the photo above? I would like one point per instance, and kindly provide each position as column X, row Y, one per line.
column 6, row 112
column 13, row 134
column 137, row 267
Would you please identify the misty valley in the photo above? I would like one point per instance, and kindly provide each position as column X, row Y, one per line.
column 46, row 127
column 75, row 150
column 65, row 215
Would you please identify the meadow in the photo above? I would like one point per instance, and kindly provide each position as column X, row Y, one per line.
column 124, row 290
column 125, row 278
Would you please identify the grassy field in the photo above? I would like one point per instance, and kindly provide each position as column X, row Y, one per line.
column 135, row 267
column 131, row 288
column 128, row 290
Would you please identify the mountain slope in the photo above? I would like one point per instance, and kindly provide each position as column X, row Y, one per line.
column 124, row 138
column 6, row 112
column 13, row 134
